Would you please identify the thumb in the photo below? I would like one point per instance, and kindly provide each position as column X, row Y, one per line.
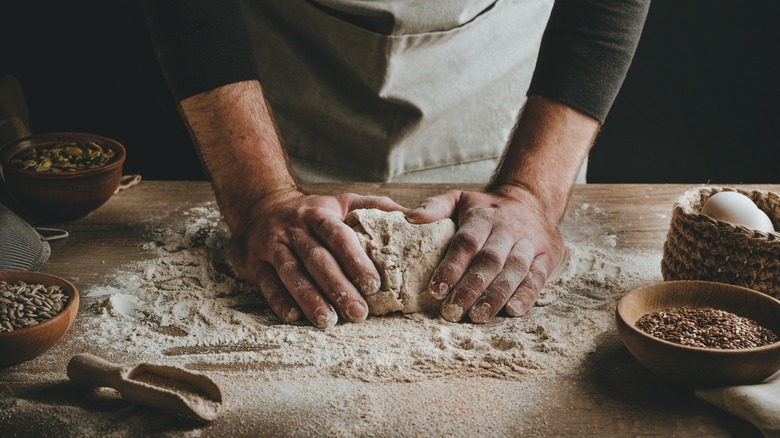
column 435, row 208
column 379, row 202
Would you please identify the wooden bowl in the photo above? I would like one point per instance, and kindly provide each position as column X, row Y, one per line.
column 67, row 195
column 696, row 367
column 24, row 344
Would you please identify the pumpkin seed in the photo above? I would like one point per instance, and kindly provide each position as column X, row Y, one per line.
column 65, row 157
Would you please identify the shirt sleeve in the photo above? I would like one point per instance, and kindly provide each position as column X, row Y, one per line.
column 586, row 51
column 200, row 44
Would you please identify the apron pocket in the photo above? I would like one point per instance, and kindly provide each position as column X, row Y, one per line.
column 397, row 18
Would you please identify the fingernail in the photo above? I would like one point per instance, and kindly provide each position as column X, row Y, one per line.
column 515, row 308
column 411, row 216
column 369, row 286
column 452, row 312
column 480, row 313
column 292, row 315
column 324, row 318
column 356, row 312
column 439, row 291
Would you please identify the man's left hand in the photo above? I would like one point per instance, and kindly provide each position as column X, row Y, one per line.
column 501, row 256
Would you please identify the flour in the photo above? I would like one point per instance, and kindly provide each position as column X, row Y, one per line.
column 188, row 308
column 182, row 305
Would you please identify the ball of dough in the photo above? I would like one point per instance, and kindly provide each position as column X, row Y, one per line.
column 405, row 255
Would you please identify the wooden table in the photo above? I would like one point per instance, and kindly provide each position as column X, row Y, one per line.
column 617, row 397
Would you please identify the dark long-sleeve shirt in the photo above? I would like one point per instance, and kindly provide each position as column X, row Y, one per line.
column 584, row 57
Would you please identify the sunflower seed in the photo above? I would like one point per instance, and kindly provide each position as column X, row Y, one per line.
column 23, row 305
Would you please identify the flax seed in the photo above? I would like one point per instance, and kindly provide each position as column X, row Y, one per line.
column 705, row 327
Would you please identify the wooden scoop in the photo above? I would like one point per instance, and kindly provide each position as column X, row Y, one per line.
column 172, row 389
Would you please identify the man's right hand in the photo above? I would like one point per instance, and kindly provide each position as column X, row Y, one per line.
column 297, row 249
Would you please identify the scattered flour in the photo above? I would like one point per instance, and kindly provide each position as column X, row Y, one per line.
column 184, row 306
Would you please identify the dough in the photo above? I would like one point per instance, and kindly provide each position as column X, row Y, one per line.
column 405, row 256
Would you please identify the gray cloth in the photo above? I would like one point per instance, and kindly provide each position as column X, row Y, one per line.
column 21, row 247
column 758, row 404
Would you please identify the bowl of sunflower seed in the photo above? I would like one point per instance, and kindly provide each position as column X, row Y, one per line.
column 62, row 176
column 36, row 310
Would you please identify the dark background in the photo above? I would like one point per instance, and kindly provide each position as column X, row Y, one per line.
column 700, row 102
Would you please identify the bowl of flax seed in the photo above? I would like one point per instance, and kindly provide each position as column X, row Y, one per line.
column 36, row 310
column 701, row 334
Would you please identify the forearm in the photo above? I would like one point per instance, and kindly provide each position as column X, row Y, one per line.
column 545, row 152
column 239, row 145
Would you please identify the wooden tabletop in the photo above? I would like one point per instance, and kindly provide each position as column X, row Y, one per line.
column 616, row 397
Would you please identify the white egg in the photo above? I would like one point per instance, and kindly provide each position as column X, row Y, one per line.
column 738, row 209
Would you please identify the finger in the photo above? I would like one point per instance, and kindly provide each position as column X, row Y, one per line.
column 379, row 202
column 345, row 247
column 436, row 208
column 485, row 266
column 295, row 279
column 526, row 294
column 327, row 274
column 505, row 284
column 563, row 264
column 464, row 245
column 272, row 288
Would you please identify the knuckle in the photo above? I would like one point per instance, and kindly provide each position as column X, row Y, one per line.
column 534, row 281
column 502, row 286
column 279, row 237
column 479, row 213
column 519, row 263
column 466, row 242
column 317, row 255
column 335, row 234
column 489, row 257
column 288, row 268
column 427, row 202
column 318, row 215
column 469, row 290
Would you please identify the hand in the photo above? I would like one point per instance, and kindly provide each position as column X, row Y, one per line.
column 500, row 257
column 298, row 251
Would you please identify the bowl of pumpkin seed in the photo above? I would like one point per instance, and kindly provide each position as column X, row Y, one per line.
column 36, row 310
column 62, row 176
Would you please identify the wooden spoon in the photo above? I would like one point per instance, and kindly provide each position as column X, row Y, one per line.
column 170, row 388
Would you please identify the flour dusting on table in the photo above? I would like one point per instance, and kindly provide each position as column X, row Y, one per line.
column 184, row 306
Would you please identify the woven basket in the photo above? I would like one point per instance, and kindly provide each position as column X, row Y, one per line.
column 701, row 248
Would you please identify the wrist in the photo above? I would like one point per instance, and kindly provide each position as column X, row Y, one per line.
column 239, row 145
column 545, row 206
column 545, row 153
column 239, row 205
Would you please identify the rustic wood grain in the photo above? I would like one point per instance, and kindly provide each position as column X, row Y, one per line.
column 611, row 396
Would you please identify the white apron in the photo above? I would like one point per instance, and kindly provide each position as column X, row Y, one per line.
column 396, row 90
